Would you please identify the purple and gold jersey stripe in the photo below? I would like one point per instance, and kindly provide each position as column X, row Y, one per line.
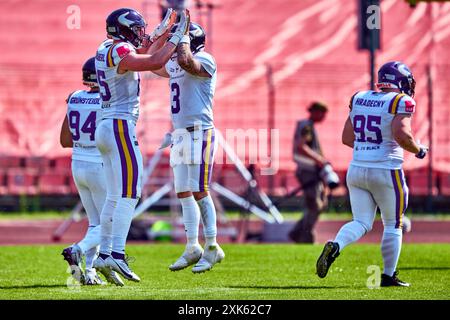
column 401, row 196
column 128, row 161
column 109, row 57
column 207, row 159
column 393, row 106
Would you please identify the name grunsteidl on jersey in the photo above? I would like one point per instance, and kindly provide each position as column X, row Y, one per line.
column 84, row 100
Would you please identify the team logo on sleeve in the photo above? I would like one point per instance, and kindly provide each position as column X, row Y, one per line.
column 409, row 106
column 123, row 51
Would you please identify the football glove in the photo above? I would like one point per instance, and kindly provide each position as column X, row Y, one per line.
column 422, row 153
column 165, row 25
column 182, row 29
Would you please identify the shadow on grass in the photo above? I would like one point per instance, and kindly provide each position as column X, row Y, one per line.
column 289, row 287
column 33, row 286
column 425, row 268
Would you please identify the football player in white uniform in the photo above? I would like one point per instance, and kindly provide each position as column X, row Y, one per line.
column 78, row 132
column 118, row 61
column 192, row 73
column 378, row 129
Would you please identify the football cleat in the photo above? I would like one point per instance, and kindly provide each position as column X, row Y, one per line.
column 190, row 256
column 121, row 266
column 110, row 275
column 211, row 256
column 91, row 278
column 387, row 281
column 329, row 254
column 74, row 257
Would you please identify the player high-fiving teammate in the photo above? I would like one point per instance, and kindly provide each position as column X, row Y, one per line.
column 192, row 73
column 118, row 60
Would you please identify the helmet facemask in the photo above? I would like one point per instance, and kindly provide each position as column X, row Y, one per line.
column 134, row 35
column 139, row 35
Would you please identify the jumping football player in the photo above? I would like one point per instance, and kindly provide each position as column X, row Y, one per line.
column 192, row 74
column 78, row 132
column 118, row 61
column 378, row 129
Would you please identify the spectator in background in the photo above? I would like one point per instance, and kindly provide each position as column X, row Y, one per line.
column 310, row 160
column 177, row 5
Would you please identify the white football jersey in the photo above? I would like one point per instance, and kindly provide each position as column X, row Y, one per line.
column 371, row 115
column 191, row 97
column 83, row 114
column 119, row 92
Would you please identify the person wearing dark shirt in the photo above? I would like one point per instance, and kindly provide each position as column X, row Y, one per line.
column 310, row 160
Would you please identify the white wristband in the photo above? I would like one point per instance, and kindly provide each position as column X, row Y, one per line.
column 185, row 39
column 175, row 39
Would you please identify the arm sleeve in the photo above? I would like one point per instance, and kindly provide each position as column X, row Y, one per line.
column 120, row 51
column 406, row 105
column 207, row 61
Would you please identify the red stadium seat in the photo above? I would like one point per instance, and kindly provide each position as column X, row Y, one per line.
column 10, row 162
column 22, row 181
column 37, row 162
column 417, row 181
column 53, row 183
column 3, row 188
column 63, row 162
column 445, row 184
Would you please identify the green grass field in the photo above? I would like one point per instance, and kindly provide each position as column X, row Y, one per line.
column 248, row 272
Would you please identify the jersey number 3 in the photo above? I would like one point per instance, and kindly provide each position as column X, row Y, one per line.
column 175, row 97
column 371, row 124
column 88, row 126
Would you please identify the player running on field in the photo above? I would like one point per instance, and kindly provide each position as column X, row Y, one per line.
column 118, row 61
column 192, row 74
column 78, row 132
column 378, row 129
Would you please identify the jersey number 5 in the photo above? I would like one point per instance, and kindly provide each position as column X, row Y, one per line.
column 88, row 126
column 371, row 124
column 106, row 95
column 175, row 97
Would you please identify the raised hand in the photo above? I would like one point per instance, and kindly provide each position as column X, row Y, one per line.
column 165, row 25
column 182, row 28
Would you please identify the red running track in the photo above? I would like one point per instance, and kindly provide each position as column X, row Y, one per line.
column 13, row 232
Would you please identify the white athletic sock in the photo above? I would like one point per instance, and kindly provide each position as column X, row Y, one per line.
column 123, row 214
column 91, row 239
column 208, row 213
column 191, row 219
column 391, row 245
column 91, row 254
column 349, row 233
column 106, row 223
